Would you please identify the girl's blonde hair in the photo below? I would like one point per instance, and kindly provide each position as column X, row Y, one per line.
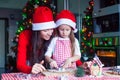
column 72, row 39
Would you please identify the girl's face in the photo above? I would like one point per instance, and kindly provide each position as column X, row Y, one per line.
column 64, row 30
column 46, row 34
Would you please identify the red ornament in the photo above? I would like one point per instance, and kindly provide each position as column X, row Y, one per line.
column 89, row 8
column 91, row 50
column 91, row 3
column 83, row 44
column 24, row 9
column 78, row 63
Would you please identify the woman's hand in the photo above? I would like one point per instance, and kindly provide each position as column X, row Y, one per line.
column 38, row 67
column 53, row 64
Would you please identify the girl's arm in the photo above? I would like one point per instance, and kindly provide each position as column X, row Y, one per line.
column 49, row 52
column 70, row 60
column 77, row 48
column 77, row 54
column 51, row 48
column 52, row 63
column 48, row 59
column 75, row 57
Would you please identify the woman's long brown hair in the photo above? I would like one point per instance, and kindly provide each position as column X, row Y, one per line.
column 39, row 46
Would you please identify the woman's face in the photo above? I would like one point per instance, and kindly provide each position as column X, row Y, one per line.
column 46, row 34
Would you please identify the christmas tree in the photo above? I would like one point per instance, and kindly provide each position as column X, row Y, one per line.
column 26, row 22
column 87, row 32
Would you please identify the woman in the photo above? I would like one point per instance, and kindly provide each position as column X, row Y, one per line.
column 33, row 43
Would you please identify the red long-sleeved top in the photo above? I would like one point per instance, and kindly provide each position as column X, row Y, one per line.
column 23, row 50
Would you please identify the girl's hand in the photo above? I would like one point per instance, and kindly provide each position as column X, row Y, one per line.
column 38, row 67
column 53, row 64
column 67, row 63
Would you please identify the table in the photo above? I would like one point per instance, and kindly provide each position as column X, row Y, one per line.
column 23, row 76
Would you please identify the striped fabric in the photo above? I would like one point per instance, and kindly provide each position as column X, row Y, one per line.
column 22, row 76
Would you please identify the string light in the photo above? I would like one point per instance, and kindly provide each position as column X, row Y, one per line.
column 86, row 32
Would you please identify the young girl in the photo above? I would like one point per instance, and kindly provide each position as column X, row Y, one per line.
column 64, row 50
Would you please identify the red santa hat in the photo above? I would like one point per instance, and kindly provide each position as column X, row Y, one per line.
column 43, row 19
column 66, row 17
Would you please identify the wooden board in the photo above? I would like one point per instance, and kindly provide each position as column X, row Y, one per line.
column 57, row 73
column 110, row 73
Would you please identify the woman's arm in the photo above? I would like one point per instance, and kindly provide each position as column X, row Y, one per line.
column 22, row 52
column 70, row 60
column 38, row 67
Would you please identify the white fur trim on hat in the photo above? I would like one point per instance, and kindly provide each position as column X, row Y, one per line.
column 43, row 26
column 66, row 21
column 75, row 30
